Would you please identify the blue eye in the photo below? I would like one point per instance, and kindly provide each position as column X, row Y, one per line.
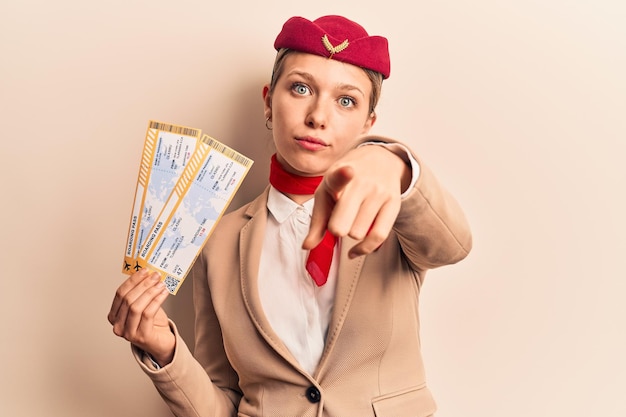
column 347, row 101
column 300, row 89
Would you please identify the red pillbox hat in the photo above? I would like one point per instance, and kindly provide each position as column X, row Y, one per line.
column 337, row 38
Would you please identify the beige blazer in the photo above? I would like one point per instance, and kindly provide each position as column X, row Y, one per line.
column 371, row 365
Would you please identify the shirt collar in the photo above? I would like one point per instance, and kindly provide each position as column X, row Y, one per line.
column 282, row 206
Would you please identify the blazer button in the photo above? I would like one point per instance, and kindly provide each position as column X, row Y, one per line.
column 313, row 395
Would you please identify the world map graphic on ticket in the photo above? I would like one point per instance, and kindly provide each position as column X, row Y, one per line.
column 186, row 181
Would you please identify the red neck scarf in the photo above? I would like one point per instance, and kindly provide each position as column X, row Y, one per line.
column 320, row 257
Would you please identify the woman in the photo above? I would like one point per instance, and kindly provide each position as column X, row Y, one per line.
column 306, row 298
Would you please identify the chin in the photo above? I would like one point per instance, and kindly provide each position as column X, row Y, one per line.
column 308, row 166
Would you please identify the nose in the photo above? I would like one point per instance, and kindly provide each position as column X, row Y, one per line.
column 317, row 115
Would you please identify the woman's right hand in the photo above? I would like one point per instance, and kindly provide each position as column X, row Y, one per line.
column 137, row 316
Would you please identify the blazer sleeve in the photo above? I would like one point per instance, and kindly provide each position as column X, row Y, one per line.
column 431, row 226
column 197, row 387
column 185, row 386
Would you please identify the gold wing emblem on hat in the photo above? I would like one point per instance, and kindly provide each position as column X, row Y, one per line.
column 334, row 49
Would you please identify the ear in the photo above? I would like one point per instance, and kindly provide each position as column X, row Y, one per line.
column 267, row 100
column 369, row 123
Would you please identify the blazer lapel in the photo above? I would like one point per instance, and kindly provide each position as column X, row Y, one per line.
column 250, row 246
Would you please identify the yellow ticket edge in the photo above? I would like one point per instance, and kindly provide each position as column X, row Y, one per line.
column 149, row 152
column 206, row 147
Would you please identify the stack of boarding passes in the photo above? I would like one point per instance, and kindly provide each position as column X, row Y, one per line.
column 186, row 182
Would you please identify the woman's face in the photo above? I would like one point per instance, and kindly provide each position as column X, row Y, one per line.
column 319, row 108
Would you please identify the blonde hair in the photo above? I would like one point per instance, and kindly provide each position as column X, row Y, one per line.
column 375, row 77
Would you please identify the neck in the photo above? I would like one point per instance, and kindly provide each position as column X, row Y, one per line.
column 298, row 188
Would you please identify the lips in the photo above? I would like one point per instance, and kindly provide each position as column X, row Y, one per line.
column 312, row 141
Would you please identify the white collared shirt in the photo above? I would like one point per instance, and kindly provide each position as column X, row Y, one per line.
column 298, row 310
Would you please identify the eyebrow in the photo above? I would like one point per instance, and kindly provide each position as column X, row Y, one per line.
column 343, row 86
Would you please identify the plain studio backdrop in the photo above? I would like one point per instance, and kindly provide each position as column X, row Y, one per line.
column 518, row 106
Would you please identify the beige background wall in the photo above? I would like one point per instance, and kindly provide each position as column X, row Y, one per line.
column 519, row 106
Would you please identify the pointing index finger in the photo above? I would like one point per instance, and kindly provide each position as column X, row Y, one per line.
column 335, row 181
column 326, row 196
